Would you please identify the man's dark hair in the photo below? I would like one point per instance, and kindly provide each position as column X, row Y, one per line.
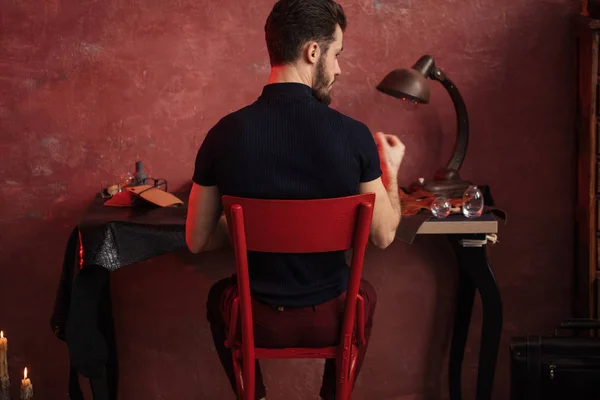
column 292, row 23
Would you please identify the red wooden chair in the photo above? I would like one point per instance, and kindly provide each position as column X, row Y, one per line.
column 298, row 226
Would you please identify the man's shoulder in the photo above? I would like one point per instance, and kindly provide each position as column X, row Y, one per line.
column 233, row 119
column 350, row 124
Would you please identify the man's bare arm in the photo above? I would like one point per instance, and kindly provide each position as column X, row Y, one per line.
column 387, row 212
column 205, row 228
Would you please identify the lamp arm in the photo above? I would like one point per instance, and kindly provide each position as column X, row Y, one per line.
column 462, row 135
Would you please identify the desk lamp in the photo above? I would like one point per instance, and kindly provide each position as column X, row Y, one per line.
column 411, row 85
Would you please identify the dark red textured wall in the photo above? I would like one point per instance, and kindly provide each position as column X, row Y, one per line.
column 88, row 87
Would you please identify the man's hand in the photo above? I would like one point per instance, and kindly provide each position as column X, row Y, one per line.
column 391, row 152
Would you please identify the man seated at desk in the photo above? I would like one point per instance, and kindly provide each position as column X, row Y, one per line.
column 289, row 144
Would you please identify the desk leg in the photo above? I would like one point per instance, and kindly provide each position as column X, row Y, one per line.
column 475, row 274
column 462, row 320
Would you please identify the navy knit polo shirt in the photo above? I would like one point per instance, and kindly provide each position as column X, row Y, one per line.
column 288, row 145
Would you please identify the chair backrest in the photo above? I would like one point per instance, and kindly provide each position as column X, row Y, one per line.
column 298, row 226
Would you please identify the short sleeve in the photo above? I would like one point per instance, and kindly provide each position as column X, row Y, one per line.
column 367, row 154
column 204, row 171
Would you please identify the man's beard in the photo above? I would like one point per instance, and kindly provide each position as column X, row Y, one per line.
column 321, row 90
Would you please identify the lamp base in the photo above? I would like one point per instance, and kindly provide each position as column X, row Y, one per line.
column 446, row 183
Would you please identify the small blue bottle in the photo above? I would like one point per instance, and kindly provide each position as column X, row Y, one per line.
column 140, row 177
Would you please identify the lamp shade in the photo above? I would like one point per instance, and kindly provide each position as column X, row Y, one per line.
column 406, row 84
column 410, row 84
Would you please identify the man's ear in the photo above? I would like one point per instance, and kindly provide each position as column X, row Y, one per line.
column 312, row 52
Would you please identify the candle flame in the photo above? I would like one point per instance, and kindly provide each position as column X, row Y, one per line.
column 25, row 373
column 1, row 334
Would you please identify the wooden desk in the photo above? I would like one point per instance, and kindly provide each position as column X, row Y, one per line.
column 458, row 224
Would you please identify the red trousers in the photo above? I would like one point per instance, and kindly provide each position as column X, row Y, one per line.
column 314, row 326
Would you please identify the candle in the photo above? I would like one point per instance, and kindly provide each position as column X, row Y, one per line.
column 26, row 387
column 3, row 362
column 4, row 378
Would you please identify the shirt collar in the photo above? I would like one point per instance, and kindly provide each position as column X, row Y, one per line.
column 287, row 89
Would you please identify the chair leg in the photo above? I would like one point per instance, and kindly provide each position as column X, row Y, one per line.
column 342, row 373
column 352, row 374
column 239, row 379
column 346, row 376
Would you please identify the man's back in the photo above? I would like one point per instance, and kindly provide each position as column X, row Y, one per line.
column 288, row 145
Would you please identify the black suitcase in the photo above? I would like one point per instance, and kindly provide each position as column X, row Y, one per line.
column 557, row 367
